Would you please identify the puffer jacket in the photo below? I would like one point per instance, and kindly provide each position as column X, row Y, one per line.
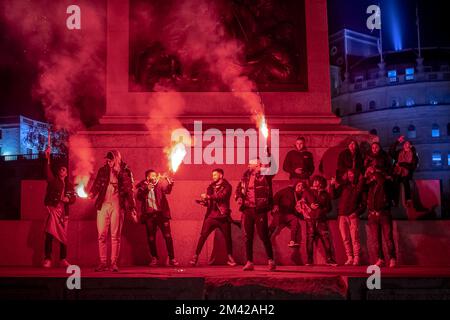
column 125, row 183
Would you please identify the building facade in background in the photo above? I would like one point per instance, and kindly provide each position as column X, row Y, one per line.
column 402, row 95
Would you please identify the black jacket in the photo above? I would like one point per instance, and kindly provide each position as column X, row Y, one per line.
column 55, row 189
column 378, row 197
column 380, row 161
column 299, row 159
column 218, row 201
column 162, row 188
column 125, row 182
column 351, row 197
column 320, row 197
column 286, row 200
column 348, row 161
column 263, row 191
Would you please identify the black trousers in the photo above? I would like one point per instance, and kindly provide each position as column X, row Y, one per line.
column 380, row 231
column 405, row 181
column 152, row 224
column 279, row 222
column 318, row 230
column 48, row 247
column 250, row 219
column 209, row 225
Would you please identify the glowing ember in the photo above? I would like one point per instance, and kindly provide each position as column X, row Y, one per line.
column 177, row 155
column 263, row 127
column 80, row 191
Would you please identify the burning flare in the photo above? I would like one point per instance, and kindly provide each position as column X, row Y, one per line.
column 176, row 156
column 263, row 126
column 80, row 191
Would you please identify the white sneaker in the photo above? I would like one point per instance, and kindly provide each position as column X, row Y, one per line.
column 47, row 263
column 153, row 262
column 379, row 263
column 64, row 263
column 272, row 265
column 249, row 266
column 231, row 262
column 349, row 261
column 356, row 261
column 293, row 244
column 392, row 263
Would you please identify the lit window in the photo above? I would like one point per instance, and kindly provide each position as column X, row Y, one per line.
column 396, row 130
column 436, row 158
column 358, row 107
column 372, row 105
column 434, row 101
column 435, row 132
column 410, row 102
column 392, row 75
column 395, row 103
column 412, row 132
column 409, row 74
column 448, row 158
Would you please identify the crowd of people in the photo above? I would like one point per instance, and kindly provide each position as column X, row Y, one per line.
column 362, row 182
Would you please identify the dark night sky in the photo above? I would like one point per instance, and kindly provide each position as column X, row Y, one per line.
column 17, row 73
column 395, row 15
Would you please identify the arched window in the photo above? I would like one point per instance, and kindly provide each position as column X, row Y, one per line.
column 435, row 132
column 372, row 105
column 395, row 103
column 412, row 131
column 337, row 111
column 436, row 159
column 358, row 107
column 374, row 132
column 396, row 130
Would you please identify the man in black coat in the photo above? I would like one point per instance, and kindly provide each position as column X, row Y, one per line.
column 255, row 198
column 218, row 214
column 285, row 215
column 155, row 212
column 113, row 187
column 299, row 163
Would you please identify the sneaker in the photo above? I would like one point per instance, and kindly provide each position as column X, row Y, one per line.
column 349, row 261
column 47, row 263
column 114, row 268
column 249, row 266
column 173, row 263
column 272, row 265
column 392, row 263
column 153, row 262
column 64, row 263
column 356, row 261
column 331, row 262
column 194, row 260
column 293, row 244
column 102, row 267
column 379, row 263
column 231, row 262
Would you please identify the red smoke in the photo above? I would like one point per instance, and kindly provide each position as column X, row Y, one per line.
column 70, row 62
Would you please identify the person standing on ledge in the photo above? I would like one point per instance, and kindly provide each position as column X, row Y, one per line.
column 155, row 212
column 113, row 187
column 254, row 196
column 59, row 195
column 299, row 163
column 218, row 214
